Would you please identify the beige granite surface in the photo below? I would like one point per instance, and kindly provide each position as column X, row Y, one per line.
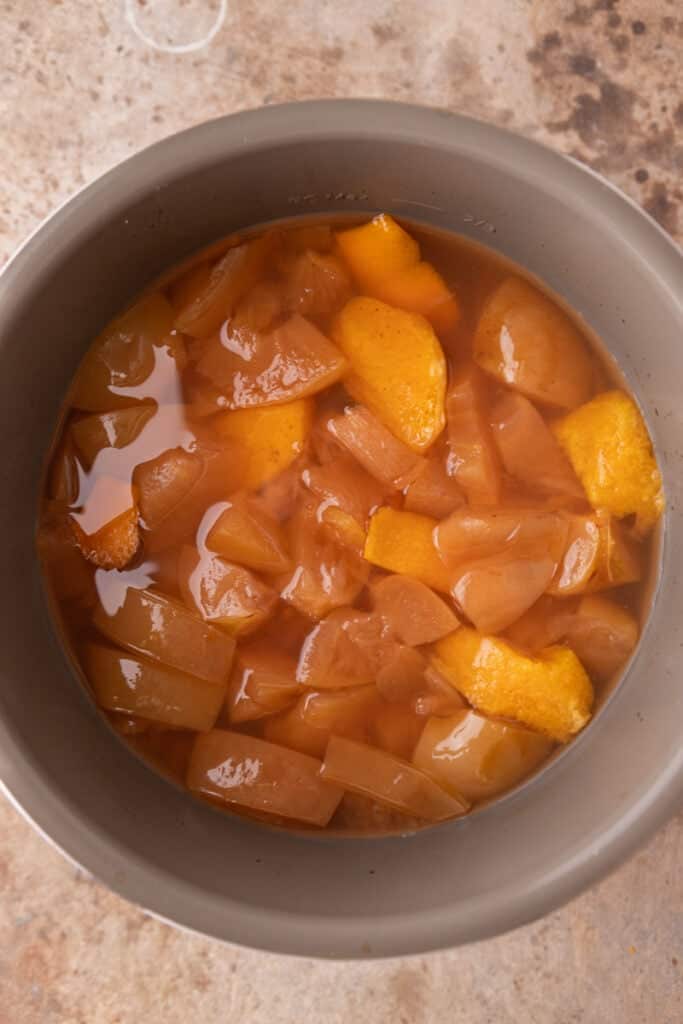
column 84, row 83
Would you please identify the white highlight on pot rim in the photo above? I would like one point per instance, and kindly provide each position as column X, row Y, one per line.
column 131, row 7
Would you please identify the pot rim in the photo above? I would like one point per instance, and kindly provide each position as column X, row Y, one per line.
column 61, row 822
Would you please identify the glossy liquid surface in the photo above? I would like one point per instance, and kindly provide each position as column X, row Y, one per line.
column 347, row 526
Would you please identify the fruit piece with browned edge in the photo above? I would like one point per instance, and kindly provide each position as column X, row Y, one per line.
column 476, row 756
column 126, row 683
column 384, row 777
column 253, row 773
column 549, row 692
column 106, row 526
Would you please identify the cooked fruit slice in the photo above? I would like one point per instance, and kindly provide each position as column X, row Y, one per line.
column 420, row 289
column 263, row 681
column 317, row 284
column 177, row 488
column 123, row 357
column 599, row 555
column 244, row 533
column 396, row 729
column 544, row 624
column 434, row 492
column 527, row 342
column 385, row 261
column 603, row 635
column 397, row 368
column 163, row 629
column 411, row 610
column 326, row 575
column 438, row 697
column 106, row 527
column 223, row 593
column 610, row 449
column 344, row 485
column 346, row 649
column 377, row 249
column 549, row 692
column 290, row 729
column 477, row 757
column 347, row 495
column 339, row 711
column 493, row 592
column 115, row 429
column 471, row 533
column 163, row 482
column 260, row 307
column 473, row 460
column 278, row 496
column 253, row 773
column 384, row 777
column 272, row 436
column 374, row 446
column 401, row 675
column 252, row 368
column 230, row 278
column 136, row 686
column 529, row 450
column 402, row 542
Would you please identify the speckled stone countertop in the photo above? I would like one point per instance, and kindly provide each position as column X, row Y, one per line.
column 84, row 84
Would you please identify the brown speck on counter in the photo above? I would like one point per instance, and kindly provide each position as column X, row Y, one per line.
column 70, row 950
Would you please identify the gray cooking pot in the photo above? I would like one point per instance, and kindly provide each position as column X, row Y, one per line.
column 78, row 783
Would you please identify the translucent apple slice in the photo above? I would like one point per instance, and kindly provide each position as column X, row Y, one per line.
column 223, row 593
column 346, row 649
column 387, row 459
column 244, row 533
column 254, row 773
column 384, row 777
column 263, row 682
column 126, row 683
column 256, row 368
column 477, row 757
column 412, row 610
column 164, row 630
